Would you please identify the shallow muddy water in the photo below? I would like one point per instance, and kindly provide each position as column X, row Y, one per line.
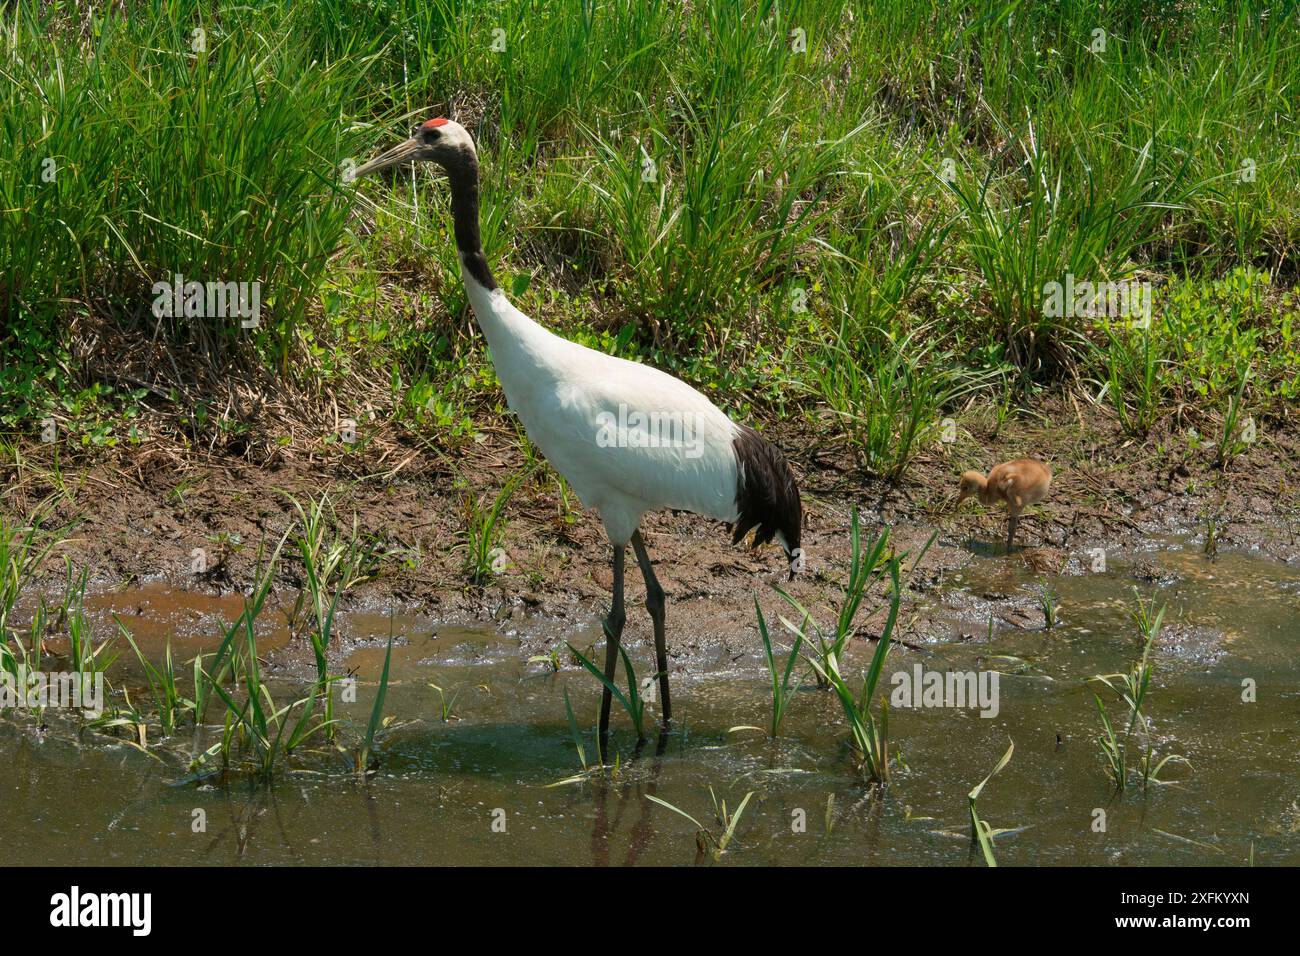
column 445, row 788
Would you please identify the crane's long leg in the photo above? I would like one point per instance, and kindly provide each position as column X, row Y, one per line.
column 1012, row 520
column 613, row 632
column 654, row 602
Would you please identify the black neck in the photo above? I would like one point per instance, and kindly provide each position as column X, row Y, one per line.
column 464, row 211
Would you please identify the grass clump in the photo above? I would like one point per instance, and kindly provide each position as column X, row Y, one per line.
column 1133, row 688
column 632, row 702
column 981, row 834
column 824, row 648
column 708, row 842
column 871, row 735
column 783, row 690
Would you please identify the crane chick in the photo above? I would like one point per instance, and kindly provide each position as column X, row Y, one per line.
column 1018, row 483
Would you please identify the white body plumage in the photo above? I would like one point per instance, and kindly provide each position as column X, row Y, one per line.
column 627, row 437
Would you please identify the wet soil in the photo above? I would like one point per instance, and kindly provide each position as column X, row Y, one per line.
column 137, row 515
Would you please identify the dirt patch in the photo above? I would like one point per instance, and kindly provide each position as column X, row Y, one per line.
column 139, row 516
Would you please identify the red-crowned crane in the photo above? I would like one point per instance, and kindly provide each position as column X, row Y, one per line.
column 1017, row 483
column 628, row 438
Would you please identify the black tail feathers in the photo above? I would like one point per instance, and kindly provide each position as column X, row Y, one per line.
column 767, row 497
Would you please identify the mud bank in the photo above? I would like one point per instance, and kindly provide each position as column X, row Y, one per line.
column 136, row 518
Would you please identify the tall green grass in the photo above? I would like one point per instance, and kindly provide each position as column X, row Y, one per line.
column 912, row 177
column 130, row 151
column 1044, row 228
column 23, row 549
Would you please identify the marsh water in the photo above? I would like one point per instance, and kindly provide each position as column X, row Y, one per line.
column 495, row 783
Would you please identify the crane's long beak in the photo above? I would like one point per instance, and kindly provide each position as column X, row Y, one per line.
column 398, row 154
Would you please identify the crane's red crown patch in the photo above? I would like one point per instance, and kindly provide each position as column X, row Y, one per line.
column 435, row 123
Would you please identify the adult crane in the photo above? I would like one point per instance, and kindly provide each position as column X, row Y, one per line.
column 627, row 437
